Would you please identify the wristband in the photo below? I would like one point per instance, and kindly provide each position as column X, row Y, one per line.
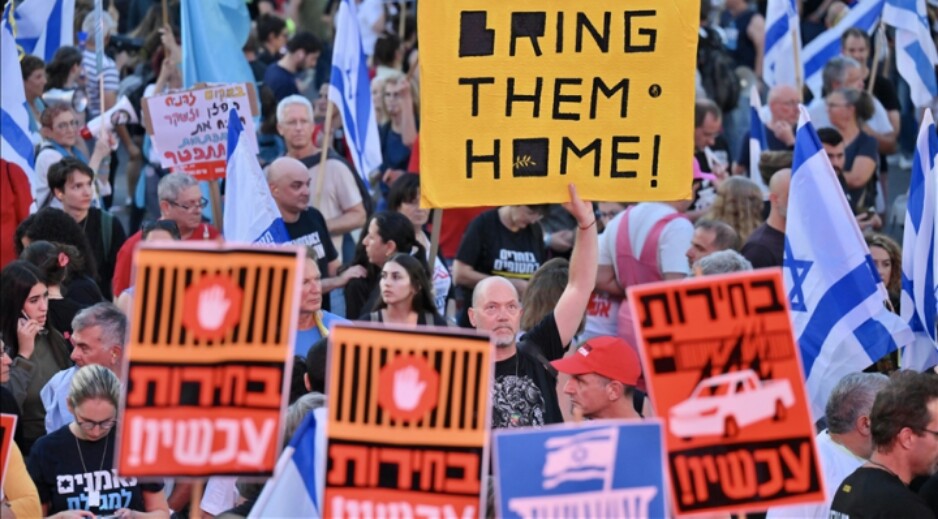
column 588, row 226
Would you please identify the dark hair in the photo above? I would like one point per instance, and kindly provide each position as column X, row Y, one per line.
column 770, row 162
column 161, row 225
column 316, row 365
column 386, row 48
column 830, row 136
column 541, row 209
column 404, row 190
column 30, row 64
column 61, row 65
column 861, row 101
column 902, row 403
column 544, row 289
column 21, row 233
column 55, row 225
column 725, row 237
column 703, row 107
column 60, row 172
column 399, row 229
column 268, row 24
column 419, row 280
column 45, row 256
column 306, row 41
column 17, row 279
column 853, row 32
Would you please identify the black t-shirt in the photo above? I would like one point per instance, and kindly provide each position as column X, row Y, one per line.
column 885, row 91
column 83, row 290
column 310, row 230
column 491, row 248
column 874, row 493
column 929, row 492
column 765, row 247
column 61, row 313
column 423, row 318
column 103, row 259
column 65, row 483
column 525, row 392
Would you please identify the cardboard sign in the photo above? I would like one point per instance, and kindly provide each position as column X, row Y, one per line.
column 542, row 94
column 724, row 372
column 7, row 428
column 408, row 422
column 575, row 471
column 209, row 361
column 190, row 128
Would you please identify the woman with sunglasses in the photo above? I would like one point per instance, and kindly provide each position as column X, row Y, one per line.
column 86, row 446
column 38, row 350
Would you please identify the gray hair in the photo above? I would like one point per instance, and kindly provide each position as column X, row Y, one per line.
column 87, row 25
column 171, row 185
column 722, row 262
column 94, row 381
column 724, row 236
column 293, row 100
column 112, row 321
column 852, row 398
column 835, row 71
column 298, row 411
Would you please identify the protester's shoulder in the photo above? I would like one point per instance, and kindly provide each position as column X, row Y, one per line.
column 48, row 443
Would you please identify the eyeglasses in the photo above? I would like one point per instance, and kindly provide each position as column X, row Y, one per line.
column 933, row 433
column 198, row 205
column 66, row 125
column 88, row 425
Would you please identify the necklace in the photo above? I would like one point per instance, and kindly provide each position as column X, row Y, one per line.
column 94, row 496
column 887, row 469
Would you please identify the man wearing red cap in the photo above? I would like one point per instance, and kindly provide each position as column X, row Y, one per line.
column 603, row 374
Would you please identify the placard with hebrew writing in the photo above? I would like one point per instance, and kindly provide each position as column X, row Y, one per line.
column 7, row 429
column 524, row 97
column 190, row 128
column 408, row 422
column 724, row 373
column 207, row 370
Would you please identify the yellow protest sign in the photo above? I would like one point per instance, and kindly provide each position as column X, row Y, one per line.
column 522, row 98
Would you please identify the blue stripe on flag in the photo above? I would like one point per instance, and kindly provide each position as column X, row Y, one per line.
column 923, row 67
column 875, row 338
column 357, row 128
column 304, row 455
column 816, row 62
column 776, row 32
column 54, row 31
column 810, row 145
column 839, row 300
column 17, row 137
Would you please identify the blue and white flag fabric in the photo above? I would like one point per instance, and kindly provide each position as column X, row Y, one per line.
column 16, row 145
column 298, row 482
column 251, row 214
column 835, row 292
column 41, row 26
column 916, row 56
column 350, row 90
column 919, row 303
column 213, row 34
column 782, row 33
column 864, row 16
column 757, row 140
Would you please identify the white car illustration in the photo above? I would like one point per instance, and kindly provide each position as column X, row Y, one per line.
column 721, row 405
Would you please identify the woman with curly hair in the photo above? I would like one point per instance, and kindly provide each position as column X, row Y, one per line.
column 738, row 203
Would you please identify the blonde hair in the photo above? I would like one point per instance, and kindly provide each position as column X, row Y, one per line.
column 738, row 203
column 94, row 381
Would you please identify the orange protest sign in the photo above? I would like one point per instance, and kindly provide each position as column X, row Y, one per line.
column 7, row 428
column 408, row 422
column 209, row 359
column 725, row 375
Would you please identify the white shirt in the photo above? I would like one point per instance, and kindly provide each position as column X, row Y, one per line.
column 672, row 246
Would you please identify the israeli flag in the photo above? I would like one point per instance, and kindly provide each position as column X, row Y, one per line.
column 42, row 26
column 16, row 146
column 350, row 90
column 916, row 57
column 820, row 50
column 251, row 214
column 779, row 66
column 835, row 293
column 918, row 304
column 757, row 140
column 296, row 488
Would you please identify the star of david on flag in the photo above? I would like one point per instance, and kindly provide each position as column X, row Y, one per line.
column 835, row 292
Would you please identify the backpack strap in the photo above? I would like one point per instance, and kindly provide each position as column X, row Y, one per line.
column 650, row 249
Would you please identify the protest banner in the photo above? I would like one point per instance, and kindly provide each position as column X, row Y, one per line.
column 190, row 128
column 209, row 360
column 542, row 94
column 724, row 372
column 577, row 470
column 408, row 422
column 7, row 428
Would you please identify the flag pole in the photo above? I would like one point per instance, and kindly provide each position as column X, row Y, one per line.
column 324, row 152
column 402, row 23
column 876, row 50
column 165, row 13
column 796, row 47
column 215, row 196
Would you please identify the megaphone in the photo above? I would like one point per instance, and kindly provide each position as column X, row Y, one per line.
column 121, row 113
column 71, row 96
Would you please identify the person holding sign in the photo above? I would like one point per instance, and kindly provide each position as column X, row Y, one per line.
column 72, row 467
column 525, row 388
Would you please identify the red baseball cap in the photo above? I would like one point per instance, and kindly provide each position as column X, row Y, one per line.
column 608, row 356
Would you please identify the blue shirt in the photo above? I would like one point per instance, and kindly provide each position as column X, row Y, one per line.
column 305, row 339
column 281, row 81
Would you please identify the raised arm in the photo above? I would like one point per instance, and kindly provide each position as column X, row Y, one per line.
column 571, row 307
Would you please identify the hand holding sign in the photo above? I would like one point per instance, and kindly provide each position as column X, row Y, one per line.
column 408, row 388
column 213, row 306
